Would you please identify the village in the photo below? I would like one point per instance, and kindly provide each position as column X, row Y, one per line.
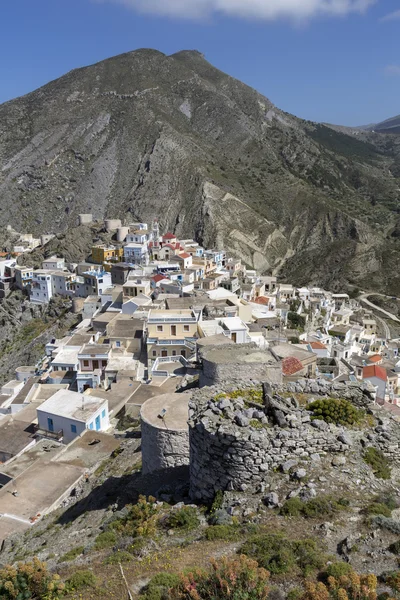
column 161, row 316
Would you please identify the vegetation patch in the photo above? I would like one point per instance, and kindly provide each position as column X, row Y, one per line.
column 314, row 508
column 377, row 508
column 185, row 518
column 71, row 554
column 337, row 411
column 378, row 462
column 160, row 586
column 79, row 580
column 279, row 555
column 29, row 580
column 141, row 520
column 229, row 533
column 240, row 578
column 105, row 540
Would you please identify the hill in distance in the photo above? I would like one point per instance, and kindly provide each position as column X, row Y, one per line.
column 146, row 135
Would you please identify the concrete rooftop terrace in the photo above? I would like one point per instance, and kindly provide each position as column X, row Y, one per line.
column 38, row 489
column 238, row 353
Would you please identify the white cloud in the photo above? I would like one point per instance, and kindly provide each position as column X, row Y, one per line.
column 392, row 70
column 267, row 10
column 393, row 16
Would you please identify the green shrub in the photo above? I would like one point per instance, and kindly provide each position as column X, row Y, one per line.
column 337, row 411
column 395, row 548
column 141, row 519
column 217, row 502
column 81, row 579
column 292, row 507
column 121, row 556
column 378, row 462
column 280, row 555
column 387, row 499
column 160, row 585
column 184, row 518
column 316, row 507
column 377, row 508
column 29, row 580
column 223, row 532
column 338, row 569
column 105, row 540
column 71, row 554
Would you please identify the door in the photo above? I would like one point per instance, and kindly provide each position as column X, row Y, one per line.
column 95, row 364
column 50, row 424
column 98, row 423
column 173, row 330
column 234, row 337
column 164, row 353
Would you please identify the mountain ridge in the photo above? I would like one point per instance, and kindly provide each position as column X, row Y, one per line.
column 144, row 134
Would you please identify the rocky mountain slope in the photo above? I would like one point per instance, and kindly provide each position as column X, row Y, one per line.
column 144, row 134
column 391, row 125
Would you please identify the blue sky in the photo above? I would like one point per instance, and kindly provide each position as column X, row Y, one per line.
column 324, row 60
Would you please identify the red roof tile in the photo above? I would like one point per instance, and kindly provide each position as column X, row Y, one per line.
column 317, row 346
column 374, row 371
column 262, row 300
column 184, row 255
column 157, row 278
column 169, row 236
column 375, row 358
column 291, row 365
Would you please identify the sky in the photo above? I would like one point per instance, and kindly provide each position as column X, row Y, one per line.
column 334, row 61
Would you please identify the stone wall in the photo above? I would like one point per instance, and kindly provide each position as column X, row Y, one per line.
column 235, row 444
column 163, row 448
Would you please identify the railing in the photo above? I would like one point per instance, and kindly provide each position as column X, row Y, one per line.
column 54, row 435
column 174, row 320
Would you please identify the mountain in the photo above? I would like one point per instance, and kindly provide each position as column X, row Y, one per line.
column 388, row 126
column 146, row 135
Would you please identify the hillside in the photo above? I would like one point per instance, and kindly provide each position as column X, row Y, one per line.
column 391, row 125
column 144, row 134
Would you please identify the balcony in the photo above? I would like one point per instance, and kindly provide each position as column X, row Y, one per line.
column 53, row 435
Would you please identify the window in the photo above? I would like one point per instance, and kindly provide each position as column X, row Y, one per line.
column 183, row 353
column 159, row 328
column 91, row 426
column 118, row 344
column 100, row 281
column 173, row 330
column 55, row 368
column 103, row 414
column 85, row 363
column 154, row 353
column 73, row 428
column 186, row 328
column 173, row 352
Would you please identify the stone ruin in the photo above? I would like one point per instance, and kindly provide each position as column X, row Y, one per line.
column 236, row 444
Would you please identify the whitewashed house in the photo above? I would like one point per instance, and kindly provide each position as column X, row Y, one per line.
column 68, row 414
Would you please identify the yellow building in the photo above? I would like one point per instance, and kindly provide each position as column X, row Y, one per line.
column 102, row 253
column 171, row 333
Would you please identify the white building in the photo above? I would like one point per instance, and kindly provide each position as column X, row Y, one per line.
column 68, row 414
column 235, row 329
column 54, row 263
column 42, row 287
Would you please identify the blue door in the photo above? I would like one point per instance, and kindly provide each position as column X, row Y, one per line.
column 98, row 423
column 50, row 424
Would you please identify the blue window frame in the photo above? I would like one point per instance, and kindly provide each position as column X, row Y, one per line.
column 91, row 426
column 103, row 414
column 73, row 428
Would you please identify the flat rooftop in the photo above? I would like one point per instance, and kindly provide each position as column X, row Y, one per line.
column 239, row 353
column 95, row 349
column 72, row 405
column 15, row 435
column 39, row 488
column 177, row 411
column 66, row 356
